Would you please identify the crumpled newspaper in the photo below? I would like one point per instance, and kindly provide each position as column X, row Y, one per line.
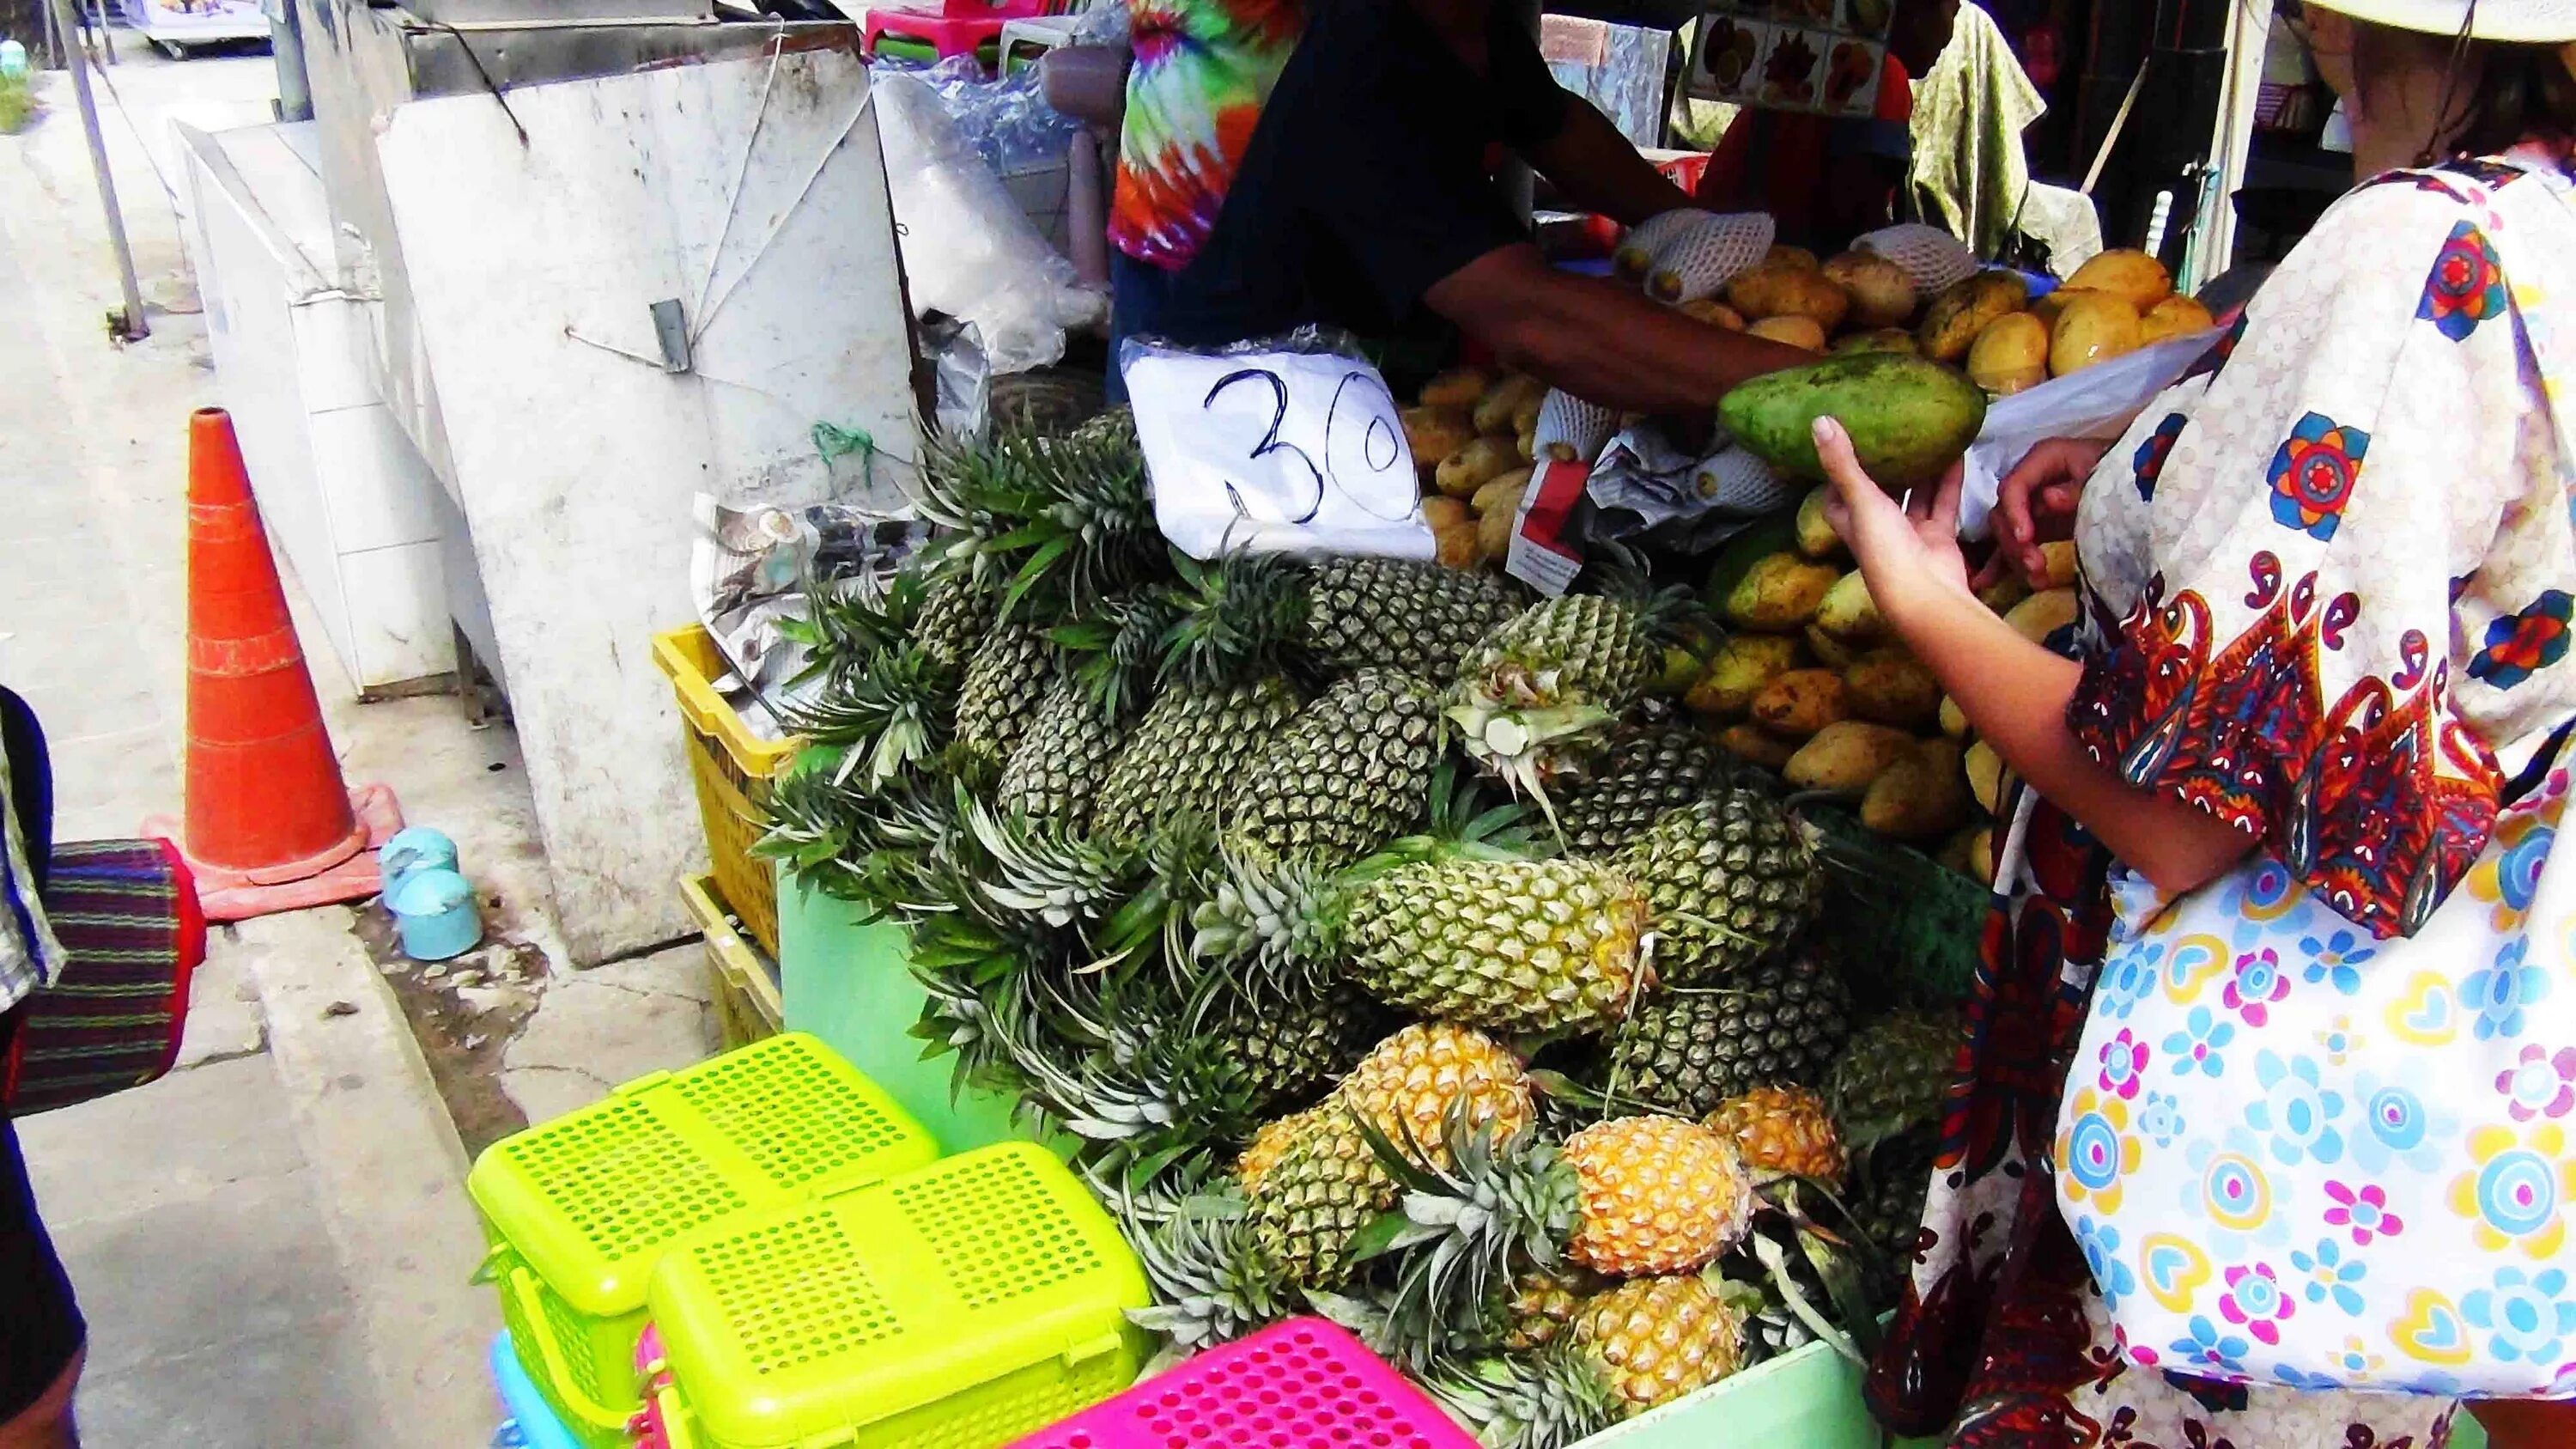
column 747, row 573
column 1647, row 488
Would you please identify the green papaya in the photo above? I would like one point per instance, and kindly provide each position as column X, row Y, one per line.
column 1909, row 418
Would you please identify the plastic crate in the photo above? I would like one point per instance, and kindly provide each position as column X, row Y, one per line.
column 579, row 1210
column 743, row 982
column 1892, row 909
column 1302, row 1384
column 539, row 1426
column 958, row 1306
column 731, row 767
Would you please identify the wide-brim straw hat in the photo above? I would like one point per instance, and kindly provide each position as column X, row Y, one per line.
column 2544, row 22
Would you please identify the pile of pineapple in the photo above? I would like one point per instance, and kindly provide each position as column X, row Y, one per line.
column 1385, row 947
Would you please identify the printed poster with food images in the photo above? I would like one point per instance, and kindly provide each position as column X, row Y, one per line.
column 1821, row 56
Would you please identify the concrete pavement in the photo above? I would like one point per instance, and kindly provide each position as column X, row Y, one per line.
column 273, row 1243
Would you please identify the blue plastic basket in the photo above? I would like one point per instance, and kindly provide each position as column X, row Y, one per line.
column 538, row 1426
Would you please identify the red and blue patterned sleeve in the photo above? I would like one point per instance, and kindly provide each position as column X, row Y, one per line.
column 2361, row 563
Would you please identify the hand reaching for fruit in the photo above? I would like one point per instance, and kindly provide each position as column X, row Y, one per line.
column 2035, row 506
column 1905, row 550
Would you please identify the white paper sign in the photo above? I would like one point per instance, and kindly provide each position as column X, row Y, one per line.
column 1276, row 452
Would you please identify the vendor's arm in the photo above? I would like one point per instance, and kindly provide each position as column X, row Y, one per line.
column 1595, row 168
column 1597, row 339
column 2014, row 692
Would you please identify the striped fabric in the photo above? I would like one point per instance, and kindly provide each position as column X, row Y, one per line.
column 127, row 914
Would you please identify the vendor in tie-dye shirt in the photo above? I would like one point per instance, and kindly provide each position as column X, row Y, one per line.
column 1203, row 68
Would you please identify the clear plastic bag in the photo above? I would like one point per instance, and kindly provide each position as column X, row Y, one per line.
column 2099, row 402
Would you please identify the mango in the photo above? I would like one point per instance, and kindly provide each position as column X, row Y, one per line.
column 1779, row 593
column 2093, row 328
column 1816, row 537
column 1742, row 666
column 1987, row 776
column 1502, row 491
column 2131, row 275
column 1433, row 433
column 1494, row 534
column 1882, row 293
column 1909, row 419
column 1779, row 290
column 1954, row 720
column 1846, row 756
column 1920, row 796
column 1713, row 312
column 1784, row 255
column 1751, row 744
column 1442, row 511
column 1803, row 333
column 1495, row 409
column 2173, row 317
column 2043, row 614
column 1952, row 322
column 1892, row 687
column 1883, row 339
column 1848, row 612
column 1801, row 702
column 1457, row 544
column 2010, row 355
column 1830, row 651
column 1459, row 387
column 1475, row 465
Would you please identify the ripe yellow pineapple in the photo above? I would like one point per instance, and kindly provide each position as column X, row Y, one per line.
column 1659, row 1194
column 1656, row 1339
column 1405, row 1087
column 1544, row 1301
column 1783, row 1132
column 1267, row 1145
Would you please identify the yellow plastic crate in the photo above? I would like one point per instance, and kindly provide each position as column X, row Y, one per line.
column 580, row 1210
column 745, row 984
column 731, row 768
column 958, row 1306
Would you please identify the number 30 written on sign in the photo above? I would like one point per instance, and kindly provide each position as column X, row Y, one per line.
column 1364, row 455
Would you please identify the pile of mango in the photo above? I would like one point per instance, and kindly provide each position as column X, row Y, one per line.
column 1812, row 683
column 1472, row 433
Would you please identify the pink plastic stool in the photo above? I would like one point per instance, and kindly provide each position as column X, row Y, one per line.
column 1302, row 1384
column 949, row 36
column 645, row 1428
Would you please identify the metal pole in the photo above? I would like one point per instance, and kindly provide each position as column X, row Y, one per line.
column 286, row 45
column 130, row 326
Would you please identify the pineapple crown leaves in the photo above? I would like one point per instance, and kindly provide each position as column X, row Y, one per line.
column 1113, row 651
column 1551, row 1399
column 850, row 620
column 1855, row 1337
column 1209, row 1284
column 1279, row 913
column 1070, row 519
column 1523, row 747
column 1062, row 881
column 1237, row 615
column 884, row 716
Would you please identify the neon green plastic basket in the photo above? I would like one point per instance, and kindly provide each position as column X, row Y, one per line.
column 959, row 1306
column 580, row 1209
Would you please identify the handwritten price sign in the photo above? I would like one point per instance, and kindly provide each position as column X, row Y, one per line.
column 1277, row 452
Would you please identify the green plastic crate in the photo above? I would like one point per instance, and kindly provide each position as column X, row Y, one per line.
column 850, row 985
column 958, row 1306
column 579, row 1210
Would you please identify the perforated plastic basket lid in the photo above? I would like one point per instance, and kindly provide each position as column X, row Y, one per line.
column 935, row 1285
column 1302, row 1384
column 592, row 1199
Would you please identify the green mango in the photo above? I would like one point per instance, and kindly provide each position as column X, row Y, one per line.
column 1909, row 418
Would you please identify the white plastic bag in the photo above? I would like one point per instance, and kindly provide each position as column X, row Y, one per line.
column 968, row 250
column 2099, row 402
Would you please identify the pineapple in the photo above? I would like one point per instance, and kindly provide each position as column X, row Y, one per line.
column 1268, row 1145
column 1731, row 879
column 1660, row 1195
column 1656, row 1339
column 1887, row 1204
column 1057, row 766
column 1688, row 1051
column 1893, row 1077
column 1383, row 613
column 1068, row 522
column 1511, row 945
column 956, row 618
column 1351, row 772
column 1007, row 679
column 1537, row 695
column 1327, row 1182
column 1783, row 1132
column 1187, row 753
column 1287, row 1044
column 1551, row 1399
column 1544, row 1301
column 1640, row 774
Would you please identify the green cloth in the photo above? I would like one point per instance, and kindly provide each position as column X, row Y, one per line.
column 1969, row 168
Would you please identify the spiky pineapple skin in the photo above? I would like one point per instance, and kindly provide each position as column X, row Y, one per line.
column 956, row 615
column 1778, row 1022
column 1327, row 1183
column 1656, row 1339
column 1006, row 683
column 1783, row 1132
column 1545, row 1302
column 1271, row 1143
column 1581, row 648
column 1888, row 1210
column 1660, row 1195
column 1289, row 1044
column 1056, row 769
column 1351, row 772
column 1187, row 753
column 1638, row 775
column 1510, row 945
column 1894, row 1075
column 1381, row 613
column 1731, row 879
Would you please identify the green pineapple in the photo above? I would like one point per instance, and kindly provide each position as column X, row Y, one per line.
column 956, row 615
column 1351, row 771
column 1894, row 1076
column 1731, row 879
column 1534, row 700
column 1064, row 522
column 1639, row 774
column 1254, row 612
column 1688, row 1051
column 1512, row 946
column 1887, row 1204
column 1055, row 771
column 1007, row 680
column 1288, row 1043
column 1187, row 753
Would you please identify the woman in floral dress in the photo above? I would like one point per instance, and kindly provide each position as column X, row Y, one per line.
column 2329, row 579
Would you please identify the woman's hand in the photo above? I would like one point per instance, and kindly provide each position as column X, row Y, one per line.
column 1908, row 551
column 2035, row 504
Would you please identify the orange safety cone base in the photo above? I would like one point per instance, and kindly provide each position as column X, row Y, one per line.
column 235, row 895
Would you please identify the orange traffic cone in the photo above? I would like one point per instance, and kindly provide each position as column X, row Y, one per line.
column 270, row 825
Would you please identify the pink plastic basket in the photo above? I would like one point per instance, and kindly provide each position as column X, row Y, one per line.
column 1302, row 1384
